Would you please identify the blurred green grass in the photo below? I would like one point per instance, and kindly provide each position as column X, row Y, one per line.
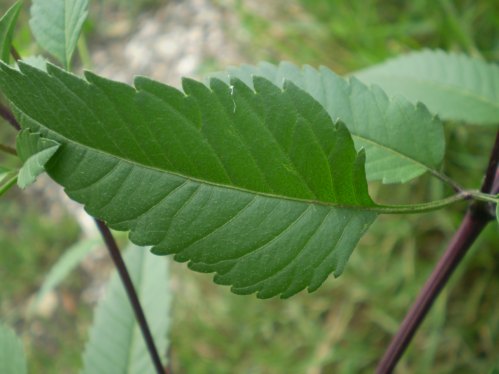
column 345, row 325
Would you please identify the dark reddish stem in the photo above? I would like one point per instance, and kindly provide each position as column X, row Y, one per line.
column 492, row 170
column 132, row 295
column 7, row 115
column 475, row 220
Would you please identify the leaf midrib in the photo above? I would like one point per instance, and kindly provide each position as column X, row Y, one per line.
column 206, row 182
column 394, row 151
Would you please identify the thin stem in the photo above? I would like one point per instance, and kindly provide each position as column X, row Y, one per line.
column 422, row 207
column 480, row 196
column 7, row 115
column 444, row 178
column 7, row 149
column 474, row 222
column 491, row 172
column 132, row 295
column 8, row 185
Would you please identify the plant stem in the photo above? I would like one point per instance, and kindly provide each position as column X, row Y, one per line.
column 473, row 223
column 7, row 115
column 132, row 295
column 8, row 185
column 491, row 172
column 7, row 149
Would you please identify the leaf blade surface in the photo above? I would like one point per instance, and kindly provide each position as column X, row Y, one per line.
column 401, row 141
column 454, row 86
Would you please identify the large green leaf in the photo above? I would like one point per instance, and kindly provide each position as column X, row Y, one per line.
column 258, row 186
column 35, row 151
column 401, row 140
column 12, row 357
column 116, row 344
column 56, row 25
column 454, row 86
column 7, row 25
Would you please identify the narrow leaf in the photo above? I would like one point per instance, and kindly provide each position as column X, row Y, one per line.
column 454, row 86
column 71, row 258
column 116, row 344
column 12, row 357
column 258, row 186
column 401, row 140
column 56, row 25
column 35, row 151
column 7, row 25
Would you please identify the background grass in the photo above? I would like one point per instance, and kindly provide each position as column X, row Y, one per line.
column 346, row 324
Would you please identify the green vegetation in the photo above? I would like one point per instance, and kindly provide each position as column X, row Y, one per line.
column 344, row 326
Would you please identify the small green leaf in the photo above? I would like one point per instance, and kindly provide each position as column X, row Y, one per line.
column 35, row 151
column 56, row 25
column 497, row 210
column 454, row 86
column 12, row 357
column 116, row 344
column 259, row 186
column 71, row 258
column 401, row 140
column 7, row 25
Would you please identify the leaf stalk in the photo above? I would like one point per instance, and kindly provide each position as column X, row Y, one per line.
column 8, row 185
column 7, row 149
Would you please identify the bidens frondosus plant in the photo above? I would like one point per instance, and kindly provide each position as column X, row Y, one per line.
column 259, row 174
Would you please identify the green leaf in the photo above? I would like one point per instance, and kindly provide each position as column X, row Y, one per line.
column 71, row 258
column 454, row 86
column 12, row 357
column 116, row 344
column 7, row 25
column 56, row 25
column 260, row 187
column 401, row 140
column 35, row 151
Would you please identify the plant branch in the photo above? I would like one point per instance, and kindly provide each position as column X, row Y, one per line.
column 132, row 295
column 492, row 168
column 473, row 223
column 7, row 149
column 7, row 115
